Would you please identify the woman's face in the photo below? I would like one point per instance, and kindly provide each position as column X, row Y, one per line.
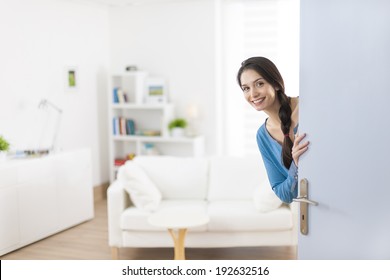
column 257, row 91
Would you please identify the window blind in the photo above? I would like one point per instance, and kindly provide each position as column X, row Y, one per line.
column 268, row 28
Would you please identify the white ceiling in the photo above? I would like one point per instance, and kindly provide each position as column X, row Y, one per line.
column 123, row 3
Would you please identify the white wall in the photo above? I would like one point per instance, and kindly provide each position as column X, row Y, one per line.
column 39, row 39
column 174, row 40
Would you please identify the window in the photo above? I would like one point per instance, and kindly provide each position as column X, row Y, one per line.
column 267, row 28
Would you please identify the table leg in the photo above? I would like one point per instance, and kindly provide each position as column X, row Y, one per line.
column 178, row 240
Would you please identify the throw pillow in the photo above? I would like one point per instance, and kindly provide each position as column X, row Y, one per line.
column 143, row 192
column 264, row 198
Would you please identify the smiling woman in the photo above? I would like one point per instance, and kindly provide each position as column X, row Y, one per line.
column 263, row 88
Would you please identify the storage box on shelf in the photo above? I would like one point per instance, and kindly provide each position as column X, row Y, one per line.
column 139, row 128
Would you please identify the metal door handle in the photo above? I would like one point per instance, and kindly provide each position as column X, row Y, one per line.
column 304, row 199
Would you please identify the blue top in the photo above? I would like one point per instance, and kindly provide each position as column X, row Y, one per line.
column 283, row 181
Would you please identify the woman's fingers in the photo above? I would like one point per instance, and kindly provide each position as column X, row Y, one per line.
column 299, row 148
column 298, row 138
column 301, row 145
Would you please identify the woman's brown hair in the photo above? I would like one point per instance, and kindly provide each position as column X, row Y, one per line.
column 267, row 69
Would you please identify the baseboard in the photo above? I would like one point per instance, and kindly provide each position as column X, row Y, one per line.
column 100, row 192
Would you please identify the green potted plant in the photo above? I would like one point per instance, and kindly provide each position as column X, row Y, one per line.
column 177, row 126
column 4, row 147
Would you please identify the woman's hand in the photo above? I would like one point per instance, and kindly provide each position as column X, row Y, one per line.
column 298, row 149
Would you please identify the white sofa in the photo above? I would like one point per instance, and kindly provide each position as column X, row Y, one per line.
column 233, row 191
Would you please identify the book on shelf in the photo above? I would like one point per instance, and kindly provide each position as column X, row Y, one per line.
column 119, row 161
column 123, row 126
column 115, row 125
column 122, row 161
column 115, row 95
column 119, row 96
column 130, row 127
column 151, row 133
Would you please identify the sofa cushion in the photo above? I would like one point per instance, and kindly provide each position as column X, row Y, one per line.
column 141, row 189
column 137, row 219
column 177, row 177
column 242, row 216
column 235, row 178
column 264, row 198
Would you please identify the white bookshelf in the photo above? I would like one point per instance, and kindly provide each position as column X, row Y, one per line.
column 147, row 118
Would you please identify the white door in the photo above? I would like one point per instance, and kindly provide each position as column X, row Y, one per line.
column 345, row 111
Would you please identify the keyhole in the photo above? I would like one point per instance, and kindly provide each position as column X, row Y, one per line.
column 303, row 217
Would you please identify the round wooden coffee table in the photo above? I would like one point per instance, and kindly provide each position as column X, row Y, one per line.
column 177, row 222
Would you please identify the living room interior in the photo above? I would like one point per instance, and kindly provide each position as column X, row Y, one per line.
column 62, row 61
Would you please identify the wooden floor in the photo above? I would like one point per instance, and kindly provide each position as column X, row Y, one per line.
column 89, row 241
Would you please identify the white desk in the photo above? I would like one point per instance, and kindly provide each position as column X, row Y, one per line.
column 42, row 196
column 177, row 222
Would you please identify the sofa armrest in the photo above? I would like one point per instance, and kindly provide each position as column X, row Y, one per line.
column 117, row 201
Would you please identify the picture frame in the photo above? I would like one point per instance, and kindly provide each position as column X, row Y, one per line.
column 71, row 77
column 156, row 91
